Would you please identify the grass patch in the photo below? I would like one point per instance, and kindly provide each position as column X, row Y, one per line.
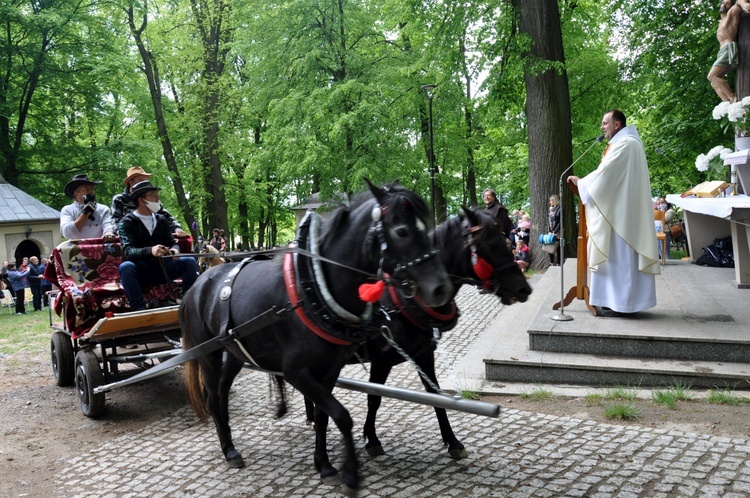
column 29, row 333
column 622, row 411
column 471, row 395
column 594, row 399
column 620, row 393
column 666, row 398
column 677, row 254
column 670, row 396
column 726, row 397
column 539, row 395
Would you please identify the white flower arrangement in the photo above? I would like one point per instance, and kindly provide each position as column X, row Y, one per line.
column 735, row 114
column 714, row 159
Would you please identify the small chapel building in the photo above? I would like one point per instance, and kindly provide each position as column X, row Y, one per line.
column 28, row 227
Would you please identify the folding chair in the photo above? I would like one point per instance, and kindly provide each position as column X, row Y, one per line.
column 8, row 301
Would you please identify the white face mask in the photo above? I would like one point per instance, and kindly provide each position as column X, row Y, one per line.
column 154, row 207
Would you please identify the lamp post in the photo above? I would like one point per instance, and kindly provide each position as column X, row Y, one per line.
column 428, row 91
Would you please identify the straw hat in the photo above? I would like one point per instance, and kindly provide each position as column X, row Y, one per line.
column 135, row 171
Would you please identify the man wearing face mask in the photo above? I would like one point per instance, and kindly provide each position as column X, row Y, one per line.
column 146, row 236
column 84, row 218
column 123, row 204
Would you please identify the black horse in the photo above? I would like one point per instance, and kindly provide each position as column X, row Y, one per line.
column 311, row 340
column 473, row 249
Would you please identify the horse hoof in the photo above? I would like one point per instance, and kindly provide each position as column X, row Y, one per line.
column 458, row 453
column 351, row 485
column 234, row 459
column 331, row 479
column 375, row 450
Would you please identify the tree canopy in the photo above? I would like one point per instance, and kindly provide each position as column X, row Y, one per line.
column 244, row 108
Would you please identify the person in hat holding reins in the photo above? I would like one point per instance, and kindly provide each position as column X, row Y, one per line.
column 123, row 204
column 146, row 237
column 84, row 218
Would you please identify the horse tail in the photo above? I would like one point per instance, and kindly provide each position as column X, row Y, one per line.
column 193, row 376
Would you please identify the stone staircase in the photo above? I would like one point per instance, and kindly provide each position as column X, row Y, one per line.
column 697, row 336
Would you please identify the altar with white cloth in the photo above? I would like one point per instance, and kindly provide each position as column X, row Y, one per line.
column 709, row 218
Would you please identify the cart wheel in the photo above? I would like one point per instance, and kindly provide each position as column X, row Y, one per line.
column 62, row 359
column 88, row 376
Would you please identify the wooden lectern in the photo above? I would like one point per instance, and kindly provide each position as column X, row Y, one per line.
column 581, row 289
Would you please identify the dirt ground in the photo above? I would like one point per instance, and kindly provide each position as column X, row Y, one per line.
column 42, row 425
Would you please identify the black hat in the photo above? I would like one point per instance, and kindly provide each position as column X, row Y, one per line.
column 76, row 182
column 141, row 188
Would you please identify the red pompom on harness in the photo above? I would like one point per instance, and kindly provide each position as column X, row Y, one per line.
column 371, row 293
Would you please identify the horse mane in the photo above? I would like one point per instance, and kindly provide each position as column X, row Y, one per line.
column 333, row 222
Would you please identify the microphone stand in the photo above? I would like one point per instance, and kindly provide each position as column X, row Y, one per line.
column 562, row 317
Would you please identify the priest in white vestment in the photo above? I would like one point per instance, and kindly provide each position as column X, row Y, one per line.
column 622, row 252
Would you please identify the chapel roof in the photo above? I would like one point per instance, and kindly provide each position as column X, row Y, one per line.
column 16, row 206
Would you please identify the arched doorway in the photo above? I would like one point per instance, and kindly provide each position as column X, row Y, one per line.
column 26, row 249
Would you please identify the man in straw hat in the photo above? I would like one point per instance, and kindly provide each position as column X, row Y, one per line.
column 84, row 218
column 146, row 237
column 123, row 204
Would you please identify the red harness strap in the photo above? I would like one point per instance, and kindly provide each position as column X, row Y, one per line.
column 431, row 312
column 290, row 280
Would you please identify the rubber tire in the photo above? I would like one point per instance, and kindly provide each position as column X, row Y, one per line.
column 61, row 350
column 89, row 376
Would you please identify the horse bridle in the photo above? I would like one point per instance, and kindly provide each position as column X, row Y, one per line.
column 484, row 271
column 408, row 286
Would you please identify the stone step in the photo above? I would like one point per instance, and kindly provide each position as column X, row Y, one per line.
column 600, row 371
column 697, row 335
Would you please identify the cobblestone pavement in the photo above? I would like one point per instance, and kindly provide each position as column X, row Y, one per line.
column 518, row 454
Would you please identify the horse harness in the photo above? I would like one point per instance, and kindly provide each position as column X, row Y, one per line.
column 481, row 268
column 308, row 293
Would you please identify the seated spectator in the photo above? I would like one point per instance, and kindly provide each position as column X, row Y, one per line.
column 84, row 218
column 523, row 255
column 146, row 237
column 18, row 284
column 218, row 241
column 123, row 204
column 662, row 205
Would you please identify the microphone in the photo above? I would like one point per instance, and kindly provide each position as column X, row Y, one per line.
column 600, row 138
column 562, row 316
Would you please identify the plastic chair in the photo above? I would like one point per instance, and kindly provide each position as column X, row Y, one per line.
column 8, row 301
column 661, row 234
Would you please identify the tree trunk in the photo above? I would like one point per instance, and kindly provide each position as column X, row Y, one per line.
column 548, row 117
column 213, row 23
column 154, row 85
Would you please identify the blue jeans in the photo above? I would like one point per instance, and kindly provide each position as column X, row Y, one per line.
column 134, row 275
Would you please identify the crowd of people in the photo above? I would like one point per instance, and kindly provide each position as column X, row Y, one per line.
column 517, row 228
column 16, row 279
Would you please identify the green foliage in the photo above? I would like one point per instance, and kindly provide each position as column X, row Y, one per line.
column 726, row 397
column 317, row 95
column 666, row 398
column 539, row 395
column 620, row 393
column 622, row 412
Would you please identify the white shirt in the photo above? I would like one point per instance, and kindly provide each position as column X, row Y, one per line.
column 101, row 224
